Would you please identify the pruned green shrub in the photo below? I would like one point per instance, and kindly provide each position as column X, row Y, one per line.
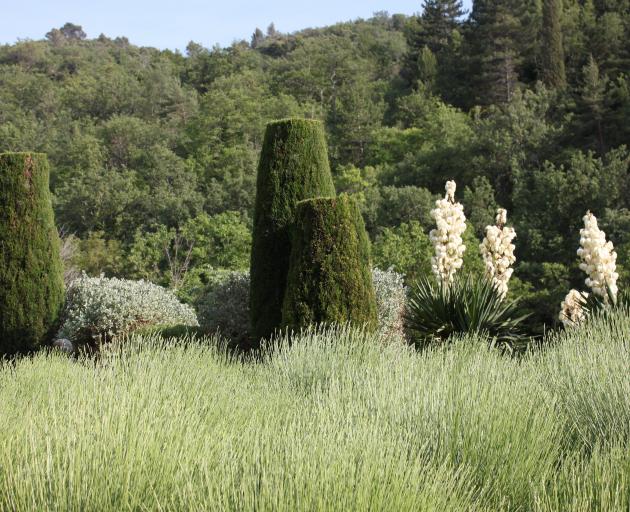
column 224, row 305
column 330, row 279
column 98, row 309
column 293, row 166
column 31, row 271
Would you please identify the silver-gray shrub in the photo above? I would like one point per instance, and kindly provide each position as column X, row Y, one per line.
column 101, row 308
column 225, row 307
column 391, row 299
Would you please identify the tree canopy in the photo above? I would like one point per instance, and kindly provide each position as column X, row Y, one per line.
column 525, row 103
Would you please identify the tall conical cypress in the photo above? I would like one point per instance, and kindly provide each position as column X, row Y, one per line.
column 553, row 70
column 31, row 271
column 293, row 166
column 330, row 278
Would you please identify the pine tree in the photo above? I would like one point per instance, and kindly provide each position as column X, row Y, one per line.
column 330, row 279
column 497, row 31
column 593, row 92
column 293, row 166
column 257, row 38
column 433, row 30
column 439, row 19
column 553, row 70
column 31, row 272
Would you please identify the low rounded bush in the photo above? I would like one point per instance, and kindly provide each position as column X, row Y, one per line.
column 99, row 308
column 225, row 307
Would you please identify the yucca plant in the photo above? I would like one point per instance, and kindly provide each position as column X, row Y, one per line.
column 470, row 304
column 596, row 303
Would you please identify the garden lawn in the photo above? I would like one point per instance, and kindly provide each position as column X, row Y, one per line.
column 338, row 421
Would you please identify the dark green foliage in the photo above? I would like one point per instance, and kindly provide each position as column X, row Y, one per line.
column 552, row 49
column 31, row 273
column 293, row 166
column 470, row 304
column 330, row 279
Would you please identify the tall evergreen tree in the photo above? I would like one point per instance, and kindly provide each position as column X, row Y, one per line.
column 31, row 272
column 434, row 30
column 592, row 96
column 553, row 71
column 293, row 166
column 439, row 19
column 498, row 29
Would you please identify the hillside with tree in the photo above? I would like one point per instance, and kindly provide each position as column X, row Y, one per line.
column 153, row 154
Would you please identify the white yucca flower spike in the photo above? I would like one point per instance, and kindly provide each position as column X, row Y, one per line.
column 598, row 259
column 572, row 311
column 497, row 251
column 447, row 237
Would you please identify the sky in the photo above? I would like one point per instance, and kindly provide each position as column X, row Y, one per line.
column 172, row 24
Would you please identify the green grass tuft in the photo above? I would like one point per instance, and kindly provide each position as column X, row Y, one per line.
column 338, row 421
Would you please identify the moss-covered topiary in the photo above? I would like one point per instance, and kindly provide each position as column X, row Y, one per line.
column 31, row 272
column 330, row 277
column 293, row 166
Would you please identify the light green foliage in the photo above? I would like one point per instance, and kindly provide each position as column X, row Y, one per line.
column 437, row 141
column 406, row 248
column 188, row 427
column 329, row 279
column 146, row 257
column 98, row 309
column 96, row 255
column 227, row 134
column 362, row 184
column 31, row 270
column 222, row 240
column 293, row 166
column 128, row 178
column 167, row 255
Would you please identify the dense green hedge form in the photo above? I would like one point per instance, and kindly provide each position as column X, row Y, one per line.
column 330, row 277
column 293, row 166
column 31, row 272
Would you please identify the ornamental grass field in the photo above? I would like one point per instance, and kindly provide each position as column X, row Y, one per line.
column 337, row 421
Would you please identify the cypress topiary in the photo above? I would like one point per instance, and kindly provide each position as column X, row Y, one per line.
column 293, row 166
column 330, row 277
column 31, row 272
